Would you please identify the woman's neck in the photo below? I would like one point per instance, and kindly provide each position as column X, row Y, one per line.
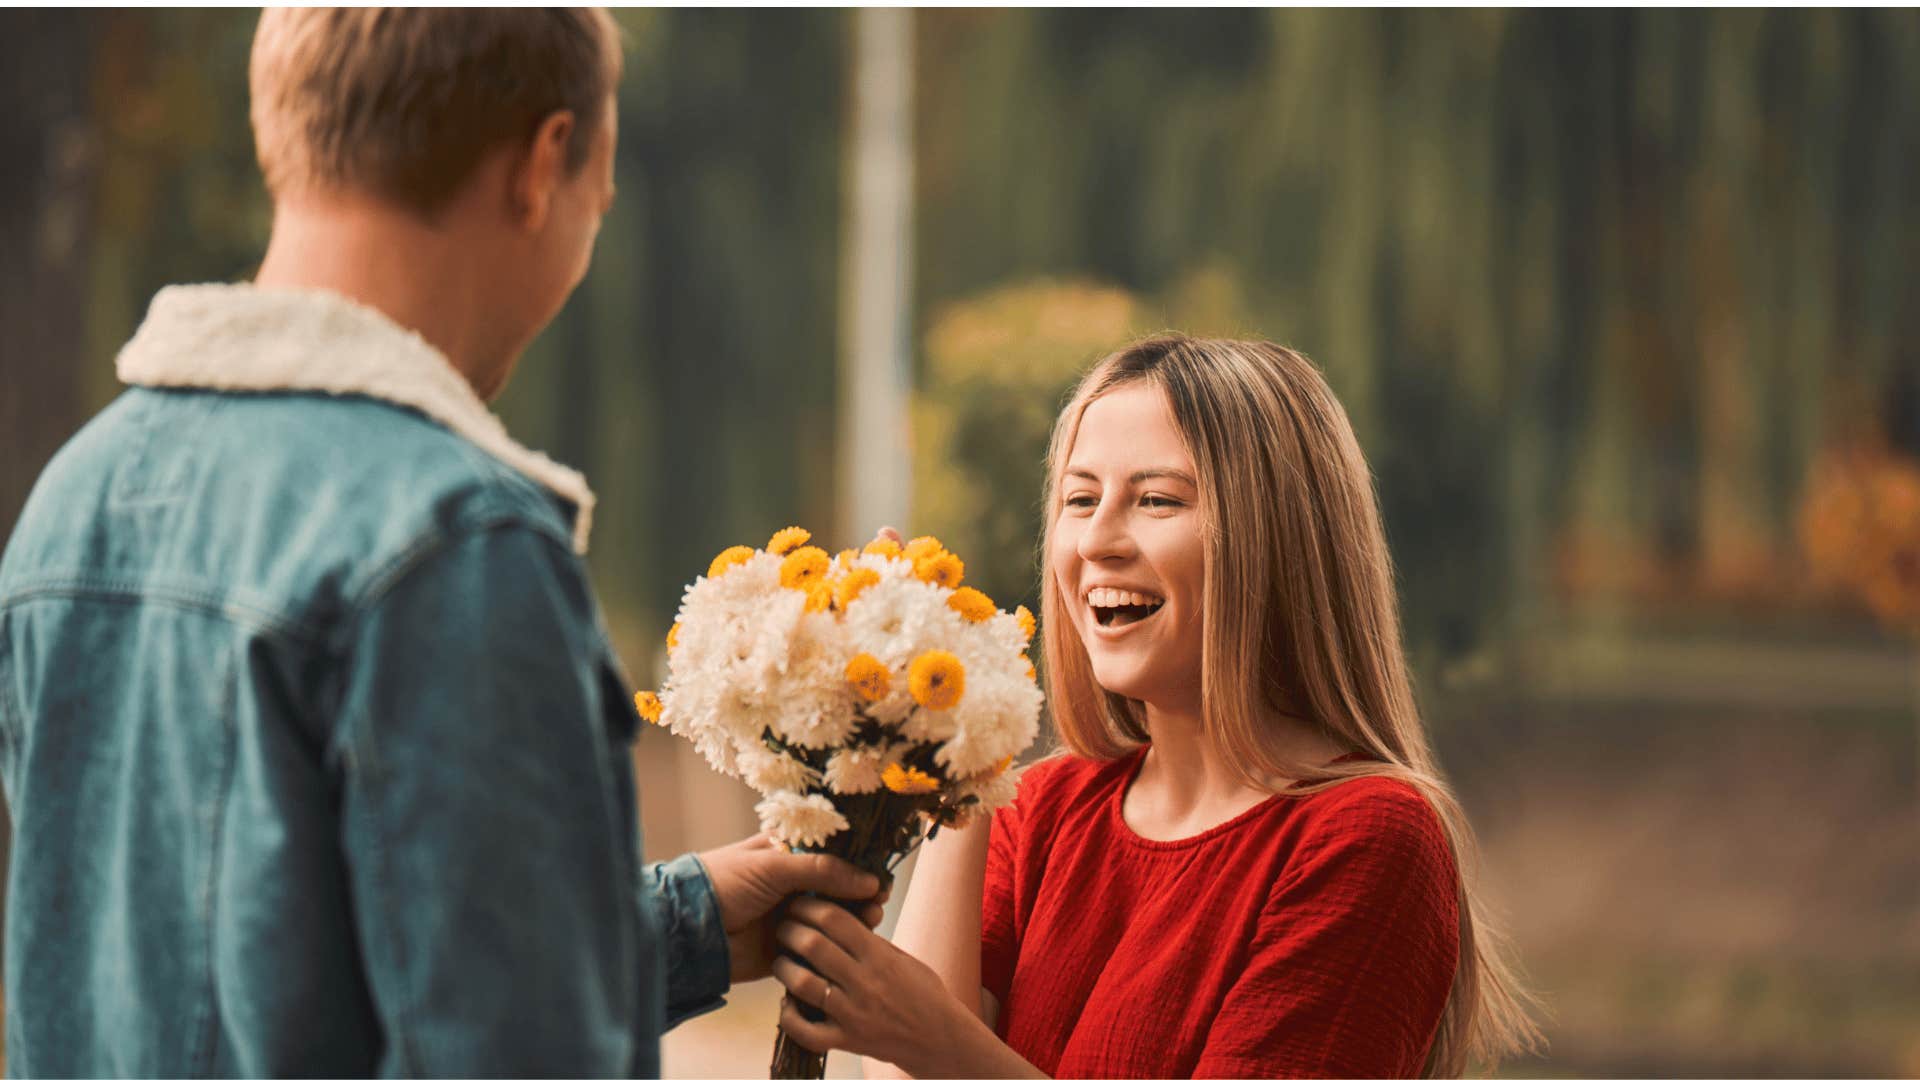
column 1185, row 786
column 1183, row 762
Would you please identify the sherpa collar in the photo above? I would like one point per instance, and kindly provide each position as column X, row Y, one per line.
column 246, row 338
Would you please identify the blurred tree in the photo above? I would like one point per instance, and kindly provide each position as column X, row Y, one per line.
column 692, row 375
column 46, row 220
column 998, row 367
column 46, row 217
column 1566, row 270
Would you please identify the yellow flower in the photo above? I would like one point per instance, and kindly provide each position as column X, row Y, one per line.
column 972, row 604
column 870, row 678
column 937, row 679
column 787, row 539
column 648, row 704
column 804, row 567
column 854, row 584
column 907, row 780
column 819, row 596
column 883, row 546
column 942, row 568
column 1027, row 623
column 729, row 559
column 673, row 637
column 844, row 560
column 1004, row 764
column 922, row 546
column 1032, row 675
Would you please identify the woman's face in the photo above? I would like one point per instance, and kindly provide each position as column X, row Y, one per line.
column 1127, row 549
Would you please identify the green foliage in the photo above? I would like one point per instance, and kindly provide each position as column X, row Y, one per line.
column 998, row 368
column 1585, row 281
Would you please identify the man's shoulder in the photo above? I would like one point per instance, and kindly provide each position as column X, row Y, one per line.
column 382, row 460
column 296, row 502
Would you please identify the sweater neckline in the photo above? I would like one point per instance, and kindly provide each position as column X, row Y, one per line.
column 1116, row 809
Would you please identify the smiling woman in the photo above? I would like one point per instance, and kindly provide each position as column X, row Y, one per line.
column 1248, row 864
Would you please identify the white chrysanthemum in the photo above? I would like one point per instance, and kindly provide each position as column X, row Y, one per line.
column 798, row 820
column 1004, row 630
column 816, row 706
column 718, row 750
column 898, row 705
column 930, row 725
column 816, row 718
column 901, row 617
column 767, row 772
column 856, row 770
column 888, row 569
column 998, row 716
column 993, row 792
column 748, row 659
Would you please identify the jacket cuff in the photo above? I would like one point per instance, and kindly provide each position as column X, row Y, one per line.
column 699, row 962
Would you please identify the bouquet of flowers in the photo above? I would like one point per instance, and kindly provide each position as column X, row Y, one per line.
column 862, row 695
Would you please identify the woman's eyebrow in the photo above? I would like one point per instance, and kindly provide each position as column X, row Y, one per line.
column 1144, row 474
column 1162, row 474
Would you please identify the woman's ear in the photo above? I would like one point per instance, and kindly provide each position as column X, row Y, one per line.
column 541, row 170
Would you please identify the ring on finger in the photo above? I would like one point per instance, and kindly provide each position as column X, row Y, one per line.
column 826, row 996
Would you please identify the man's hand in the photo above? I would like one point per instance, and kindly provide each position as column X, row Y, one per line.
column 753, row 878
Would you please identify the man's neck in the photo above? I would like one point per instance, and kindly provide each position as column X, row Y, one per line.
column 422, row 277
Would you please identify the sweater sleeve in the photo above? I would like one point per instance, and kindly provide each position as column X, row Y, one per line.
column 1355, row 953
column 999, row 939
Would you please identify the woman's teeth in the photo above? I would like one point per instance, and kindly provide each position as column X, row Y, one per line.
column 1121, row 607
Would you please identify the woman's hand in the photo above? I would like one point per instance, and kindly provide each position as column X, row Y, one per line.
column 878, row 1000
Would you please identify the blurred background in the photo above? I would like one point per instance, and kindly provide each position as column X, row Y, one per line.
column 1621, row 304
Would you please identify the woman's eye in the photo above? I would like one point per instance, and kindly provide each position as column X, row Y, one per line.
column 1082, row 502
column 1159, row 502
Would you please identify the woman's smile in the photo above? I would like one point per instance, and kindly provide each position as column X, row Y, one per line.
column 1117, row 608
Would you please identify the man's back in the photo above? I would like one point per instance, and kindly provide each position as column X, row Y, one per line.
column 287, row 795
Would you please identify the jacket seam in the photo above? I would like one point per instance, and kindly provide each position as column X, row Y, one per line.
column 216, row 856
column 296, row 631
column 12, row 729
column 398, row 1034
column 396, row 568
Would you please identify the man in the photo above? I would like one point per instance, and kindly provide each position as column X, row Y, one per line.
column 316, row 751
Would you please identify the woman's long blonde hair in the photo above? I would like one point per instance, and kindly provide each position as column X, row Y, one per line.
column 1300, row 619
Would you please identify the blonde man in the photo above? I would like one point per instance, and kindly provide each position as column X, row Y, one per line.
column 314, row 745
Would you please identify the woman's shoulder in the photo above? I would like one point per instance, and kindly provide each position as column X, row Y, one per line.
column 1386, row 814
column 1058, row 783
column 1063, row 774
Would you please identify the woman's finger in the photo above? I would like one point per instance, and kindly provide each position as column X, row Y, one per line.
column 846, row 930
column 817, row 1037
column 818, row 950
column 806, row 985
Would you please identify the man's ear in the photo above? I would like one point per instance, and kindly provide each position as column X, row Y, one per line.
column 541, row 170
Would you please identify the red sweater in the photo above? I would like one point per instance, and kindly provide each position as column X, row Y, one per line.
column 1310, row 936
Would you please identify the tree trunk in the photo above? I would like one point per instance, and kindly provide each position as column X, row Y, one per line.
column 44, row 214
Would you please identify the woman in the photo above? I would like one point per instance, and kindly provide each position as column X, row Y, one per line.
column 1248, row 863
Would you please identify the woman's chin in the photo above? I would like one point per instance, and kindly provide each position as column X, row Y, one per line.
column 1125, row 680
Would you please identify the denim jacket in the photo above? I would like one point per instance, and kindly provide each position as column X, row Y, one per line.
column 316, row 752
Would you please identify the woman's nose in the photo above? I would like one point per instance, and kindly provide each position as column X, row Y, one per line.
column 1106, row 535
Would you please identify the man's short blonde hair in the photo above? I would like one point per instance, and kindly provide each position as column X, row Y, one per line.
column 403, row 103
